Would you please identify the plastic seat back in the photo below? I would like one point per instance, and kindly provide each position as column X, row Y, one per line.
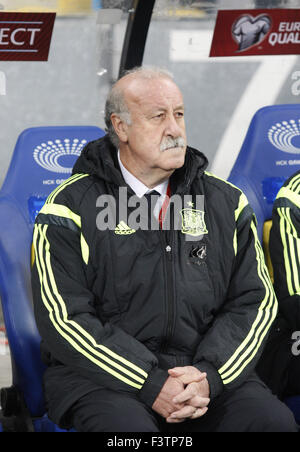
column 269, row 155
column 42, row 159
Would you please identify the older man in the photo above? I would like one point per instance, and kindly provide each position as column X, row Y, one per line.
column 152, row 328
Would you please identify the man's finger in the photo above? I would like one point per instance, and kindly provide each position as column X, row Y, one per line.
column 199, row 413
column 199, row 402
column 195, row 401
column 189, row 392
column 186, row 412
column 170, row 420
column 178, row 370
column 187, row 378
column 181, row 372
column 185, row 370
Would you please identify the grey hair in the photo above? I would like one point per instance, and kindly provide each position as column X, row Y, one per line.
column 115, row 102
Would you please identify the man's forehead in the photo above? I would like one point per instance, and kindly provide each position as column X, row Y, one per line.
column 156, row 92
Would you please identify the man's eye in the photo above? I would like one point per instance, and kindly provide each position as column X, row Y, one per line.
column 179, row 114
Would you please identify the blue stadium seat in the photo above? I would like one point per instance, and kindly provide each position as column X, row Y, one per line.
column 42, row 159
column 294, row 405
column 269, row 155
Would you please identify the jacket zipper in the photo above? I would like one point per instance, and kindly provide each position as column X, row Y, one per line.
column 168, row 258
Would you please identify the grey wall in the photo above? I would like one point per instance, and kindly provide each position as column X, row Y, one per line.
column 66, row 90
column 212, row 90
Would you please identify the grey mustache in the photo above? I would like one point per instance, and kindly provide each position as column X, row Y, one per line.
column 168, row 143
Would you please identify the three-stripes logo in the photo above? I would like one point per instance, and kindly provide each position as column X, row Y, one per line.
column 123, row 229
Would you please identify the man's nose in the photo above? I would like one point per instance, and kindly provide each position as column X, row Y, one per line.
column 173, row 129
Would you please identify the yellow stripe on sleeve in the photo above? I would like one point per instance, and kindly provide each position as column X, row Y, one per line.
column 265, row 316
column 66, row 328
column 290, row 195
column 62, row 186
column 291, row 248
column 61, row 211
column 243, row 202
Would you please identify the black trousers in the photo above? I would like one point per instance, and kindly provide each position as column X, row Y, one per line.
column 293, row 386
column 250, row 408
column 278, row 367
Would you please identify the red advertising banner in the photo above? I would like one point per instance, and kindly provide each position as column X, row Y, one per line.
column 25, row 36
column 256, row 32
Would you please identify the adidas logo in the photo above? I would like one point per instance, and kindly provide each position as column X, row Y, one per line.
column 123, row 229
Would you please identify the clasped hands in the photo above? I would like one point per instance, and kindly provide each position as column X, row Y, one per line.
column 185, row 395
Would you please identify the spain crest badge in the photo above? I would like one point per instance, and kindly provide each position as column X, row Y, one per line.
column 193, row 222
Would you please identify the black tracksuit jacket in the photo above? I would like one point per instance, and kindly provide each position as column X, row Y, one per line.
column 275, row 365
column 116, row 310
column 285, row 250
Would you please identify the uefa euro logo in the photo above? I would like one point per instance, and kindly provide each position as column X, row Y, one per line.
column 282, row 135
column 53, row 155
column 248, row 31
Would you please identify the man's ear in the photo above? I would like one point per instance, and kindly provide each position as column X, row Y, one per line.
column 120, row 127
